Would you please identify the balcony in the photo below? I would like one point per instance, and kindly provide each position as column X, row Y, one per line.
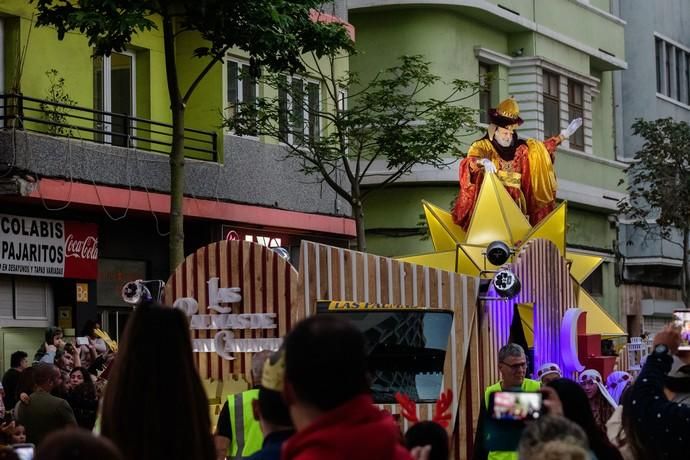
column 93, row 148
column 26, row 113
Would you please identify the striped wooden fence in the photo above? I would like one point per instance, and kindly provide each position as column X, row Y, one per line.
column 268, row 285
column 329, row 273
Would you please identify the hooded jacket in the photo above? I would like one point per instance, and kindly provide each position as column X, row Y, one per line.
column 355, row 430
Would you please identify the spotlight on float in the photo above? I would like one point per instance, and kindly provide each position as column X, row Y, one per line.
column 138, row 292
column 506, row 284
column 282, row 252
column 498, row 253
column 134, row 292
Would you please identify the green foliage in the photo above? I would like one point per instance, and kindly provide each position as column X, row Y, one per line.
column 274, row 32
column 659, row 185
column 659, row 178
column 391, row 119
column 53, row 110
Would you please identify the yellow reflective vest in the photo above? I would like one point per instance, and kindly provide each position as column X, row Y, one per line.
column 246, row 430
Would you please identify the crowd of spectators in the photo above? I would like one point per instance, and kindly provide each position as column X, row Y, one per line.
column 311, row 400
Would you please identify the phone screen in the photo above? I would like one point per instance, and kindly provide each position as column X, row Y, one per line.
column 682, row 319
column 82, row 341
column 24, row 452
column 515, row 406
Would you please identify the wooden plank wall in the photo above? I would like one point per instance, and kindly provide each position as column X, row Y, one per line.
column 545, row 278
column 271, row 285
column 330, row 273
column 268, row 285
column 546, row 283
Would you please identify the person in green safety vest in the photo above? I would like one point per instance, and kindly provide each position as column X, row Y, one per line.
column 500, row 439
column 238, row 434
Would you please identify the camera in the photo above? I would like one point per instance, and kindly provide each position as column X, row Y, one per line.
column 515, row 406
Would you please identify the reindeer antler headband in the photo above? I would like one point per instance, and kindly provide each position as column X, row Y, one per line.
column 442, row 414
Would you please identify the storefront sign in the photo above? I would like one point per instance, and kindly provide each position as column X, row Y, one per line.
column 45, row 247
column 82, row 292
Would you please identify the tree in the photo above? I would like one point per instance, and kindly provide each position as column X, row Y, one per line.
column 275, row 33
column 339, row 136
column 659, row 184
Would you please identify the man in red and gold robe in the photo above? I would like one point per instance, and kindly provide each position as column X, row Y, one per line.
column 524, row 167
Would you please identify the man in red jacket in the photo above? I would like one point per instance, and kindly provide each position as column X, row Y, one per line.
column 327, row 391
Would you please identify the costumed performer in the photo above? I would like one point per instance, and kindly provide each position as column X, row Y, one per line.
column 525, row 167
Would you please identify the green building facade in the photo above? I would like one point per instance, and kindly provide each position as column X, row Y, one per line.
column 556, row 57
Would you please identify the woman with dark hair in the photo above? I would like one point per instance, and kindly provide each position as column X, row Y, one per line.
column 157, row 349
column 617, row 427
column 576, row 408
column 82, row 397
column 600, row 401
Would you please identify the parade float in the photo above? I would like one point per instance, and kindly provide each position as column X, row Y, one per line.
column 242, row 297
column 434, row 321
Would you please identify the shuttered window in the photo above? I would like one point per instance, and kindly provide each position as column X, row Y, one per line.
column 33, row 298
column 653, row 324
column 6, row 297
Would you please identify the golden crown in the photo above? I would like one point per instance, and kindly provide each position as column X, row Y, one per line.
column 273, row 374
column 508, row 108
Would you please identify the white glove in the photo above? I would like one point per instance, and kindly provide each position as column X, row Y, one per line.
column 572, row 127
column 487, row 165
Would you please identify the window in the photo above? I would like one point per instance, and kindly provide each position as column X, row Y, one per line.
column 241, row 88
column 669, row 54
column 484, row 93
column 114, row 91
column 687, row 79
column 342, row 100
column 653, row 324
column 594, row 284
column 659, row 45
column 680, row 59
column 672, row 70
column 26, row 298
column 113, row 321
column 551, row 104
column 576, row 110
column 299, row 102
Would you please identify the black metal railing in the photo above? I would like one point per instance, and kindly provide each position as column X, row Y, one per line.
column 57, row 119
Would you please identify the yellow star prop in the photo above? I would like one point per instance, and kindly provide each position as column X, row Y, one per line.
column 497, row 217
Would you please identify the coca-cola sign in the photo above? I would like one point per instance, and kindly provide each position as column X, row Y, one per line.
column 81, row 249
column 46, row 247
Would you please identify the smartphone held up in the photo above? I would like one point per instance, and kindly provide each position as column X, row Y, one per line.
column 24, row 451
column 515, row 406
column 681, row 318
